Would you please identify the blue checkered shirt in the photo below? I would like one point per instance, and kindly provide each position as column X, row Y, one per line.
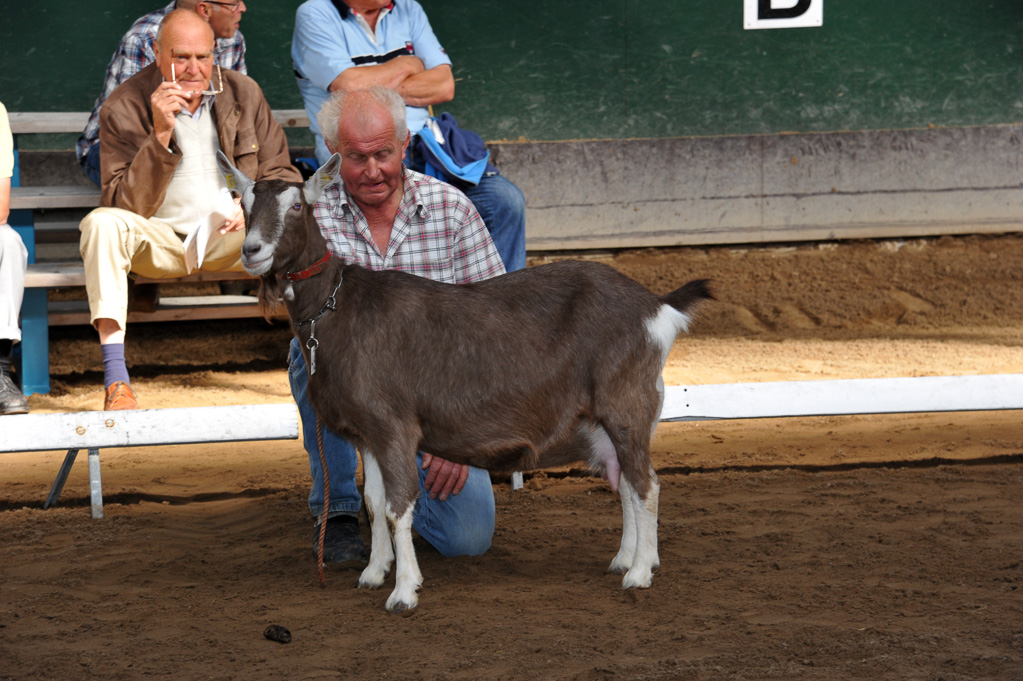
column 136, row 53
column 437, row 233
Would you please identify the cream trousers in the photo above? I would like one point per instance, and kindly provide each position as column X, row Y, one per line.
column 13, row 263
column 116, row 241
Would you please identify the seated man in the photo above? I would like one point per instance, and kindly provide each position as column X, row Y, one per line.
column 384, row 216
column 135, row 52
column 13, row 262
column 354, row 44
column 160, row 132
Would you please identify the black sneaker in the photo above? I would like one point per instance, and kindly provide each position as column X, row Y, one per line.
column 12, row 400
column 342, row 544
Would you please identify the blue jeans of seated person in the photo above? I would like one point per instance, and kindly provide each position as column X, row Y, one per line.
column 501, row 205
column 463, row 525
column 503, row 209
column 91, row 166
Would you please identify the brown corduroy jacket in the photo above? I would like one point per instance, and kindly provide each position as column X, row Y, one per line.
column 136, row 168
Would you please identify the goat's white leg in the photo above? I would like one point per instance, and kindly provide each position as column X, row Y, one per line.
column 638, row 556
column 408, row 578
column 660, row 403
column 627, row 552
column 381, row 551
column 645, row 560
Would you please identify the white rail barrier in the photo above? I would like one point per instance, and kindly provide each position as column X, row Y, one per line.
column 842, row 397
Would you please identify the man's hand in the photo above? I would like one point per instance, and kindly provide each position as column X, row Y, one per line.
column 432, row 86
column 410, row 64
column 167, row 101
column 444, row 477
column 390, row 74
column 236, row 221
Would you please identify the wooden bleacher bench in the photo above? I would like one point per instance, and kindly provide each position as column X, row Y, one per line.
column 66, row 274
column 93, row 430
column 38, row 313
column 50, row 198
column 36, row 122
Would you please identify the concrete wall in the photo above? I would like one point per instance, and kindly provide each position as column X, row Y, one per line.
column 764, row 188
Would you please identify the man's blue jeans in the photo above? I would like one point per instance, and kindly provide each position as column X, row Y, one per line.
column 503, row 209
column 462, row 525
column 91, row 166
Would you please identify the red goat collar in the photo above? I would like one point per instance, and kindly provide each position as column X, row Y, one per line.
column 315, row 268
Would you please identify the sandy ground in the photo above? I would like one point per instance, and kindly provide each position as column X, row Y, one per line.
column 859, row 547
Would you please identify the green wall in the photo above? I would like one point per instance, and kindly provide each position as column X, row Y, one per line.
column 615, row 68
column 664, row 68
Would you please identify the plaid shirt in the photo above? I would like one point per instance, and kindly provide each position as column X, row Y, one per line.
column 136, row 53
column 437, row 233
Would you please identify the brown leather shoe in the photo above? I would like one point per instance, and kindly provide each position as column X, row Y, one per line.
column 119, row 397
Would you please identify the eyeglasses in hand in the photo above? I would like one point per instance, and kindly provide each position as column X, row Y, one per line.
column 220, row 81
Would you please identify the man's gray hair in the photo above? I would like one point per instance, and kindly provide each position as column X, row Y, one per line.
column 334, row 108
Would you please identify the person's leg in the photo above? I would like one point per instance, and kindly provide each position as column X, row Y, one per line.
column 503, row 209
column 342, row 542
column 91, row 166
column 13, row 263
column 342, row 460
column 114, row 242
column 12, row 400
column 462, row 524
column 226, row 254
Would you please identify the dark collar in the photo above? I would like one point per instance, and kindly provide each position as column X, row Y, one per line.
column 315, row 268
column 344, row 9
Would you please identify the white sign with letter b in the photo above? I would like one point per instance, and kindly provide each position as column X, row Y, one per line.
column 783, row 13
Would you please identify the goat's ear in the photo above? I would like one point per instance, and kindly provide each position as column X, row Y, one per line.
column 236, row 179
column 326, row 174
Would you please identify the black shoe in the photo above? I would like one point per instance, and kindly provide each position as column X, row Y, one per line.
column 342, row 543
column 12, row 400
column 143, row 297
column 238, row 288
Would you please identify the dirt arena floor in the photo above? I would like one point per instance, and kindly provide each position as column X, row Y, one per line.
column 838, row 548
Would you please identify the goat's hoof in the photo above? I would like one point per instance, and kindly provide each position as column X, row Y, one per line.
column 372, row 578
column 637, row 579
column 397, row 606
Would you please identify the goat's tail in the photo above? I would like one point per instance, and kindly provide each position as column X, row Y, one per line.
column 688, row 298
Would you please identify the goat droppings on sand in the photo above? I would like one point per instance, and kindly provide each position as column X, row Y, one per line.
column 276, row 632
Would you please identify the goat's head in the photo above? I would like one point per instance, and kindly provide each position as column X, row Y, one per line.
column 278, row 217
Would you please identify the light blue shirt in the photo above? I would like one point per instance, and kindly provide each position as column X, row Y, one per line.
column 325, row 44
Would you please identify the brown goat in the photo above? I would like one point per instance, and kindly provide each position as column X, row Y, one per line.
column 536, row 368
